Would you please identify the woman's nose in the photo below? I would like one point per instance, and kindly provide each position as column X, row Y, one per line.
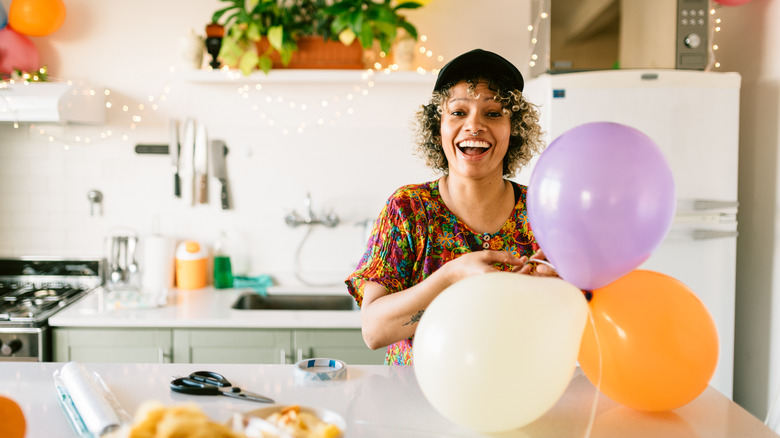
column 474, row 123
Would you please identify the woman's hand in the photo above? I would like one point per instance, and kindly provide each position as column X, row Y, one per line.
column 530, row 267
column 389, row 318
column 479, row 262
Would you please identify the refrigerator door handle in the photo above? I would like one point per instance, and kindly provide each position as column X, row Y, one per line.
column 703, row 234
column 711, row 204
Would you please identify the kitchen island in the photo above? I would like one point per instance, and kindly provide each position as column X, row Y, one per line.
column 374, row 400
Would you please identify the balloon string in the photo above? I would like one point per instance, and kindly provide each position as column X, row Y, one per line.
column 544, row 262
column 592, row 417
column 771, row 412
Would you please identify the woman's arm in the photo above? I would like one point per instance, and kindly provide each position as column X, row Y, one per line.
column 388, row 318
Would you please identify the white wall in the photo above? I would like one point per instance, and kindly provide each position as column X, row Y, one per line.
column 749, row 45
column 349, row 166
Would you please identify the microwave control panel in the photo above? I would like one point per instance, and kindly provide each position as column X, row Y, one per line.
column 693, row 23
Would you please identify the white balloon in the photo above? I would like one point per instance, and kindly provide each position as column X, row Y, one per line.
column 494, row 352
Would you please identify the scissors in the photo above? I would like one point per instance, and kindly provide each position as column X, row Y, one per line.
column 211, row 383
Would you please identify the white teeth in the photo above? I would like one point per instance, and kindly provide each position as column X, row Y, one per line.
column 474, row 144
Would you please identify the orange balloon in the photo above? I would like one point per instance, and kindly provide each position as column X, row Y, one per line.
column 36, row 17
column 12, row 422
column 658, row 342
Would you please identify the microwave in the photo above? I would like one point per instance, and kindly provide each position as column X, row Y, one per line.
column 585, row 35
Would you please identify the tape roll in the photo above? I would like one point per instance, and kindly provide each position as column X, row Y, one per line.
column 320, row 370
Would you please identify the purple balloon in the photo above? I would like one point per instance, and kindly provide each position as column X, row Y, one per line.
column 600, row 200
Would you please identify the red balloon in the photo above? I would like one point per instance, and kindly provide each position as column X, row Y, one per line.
column 17, row 52
column 732, row 2
column 36, row 17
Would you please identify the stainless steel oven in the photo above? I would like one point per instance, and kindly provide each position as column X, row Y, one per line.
column 32, row 289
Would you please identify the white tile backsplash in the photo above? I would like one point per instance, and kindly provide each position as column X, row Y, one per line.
column 349, row 166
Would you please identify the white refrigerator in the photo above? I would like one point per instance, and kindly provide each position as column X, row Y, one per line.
column 693, row 116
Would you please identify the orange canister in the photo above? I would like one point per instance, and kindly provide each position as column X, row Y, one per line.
column 191, row 265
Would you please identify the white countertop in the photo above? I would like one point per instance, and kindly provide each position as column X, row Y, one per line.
column 375, row 401
column 207, row 307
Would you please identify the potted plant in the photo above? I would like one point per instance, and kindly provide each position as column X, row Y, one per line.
column 247, row 21
column 369, row 21
column 262, row 34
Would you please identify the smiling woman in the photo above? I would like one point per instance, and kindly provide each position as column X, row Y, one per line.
column 477, row 129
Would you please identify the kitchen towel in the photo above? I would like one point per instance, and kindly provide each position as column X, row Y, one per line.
column 87, row 400
column 259, row 283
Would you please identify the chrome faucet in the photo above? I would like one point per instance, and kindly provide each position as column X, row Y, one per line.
column 293, row 219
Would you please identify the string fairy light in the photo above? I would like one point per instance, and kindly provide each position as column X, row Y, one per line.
column 135, row 114
column 278, row 104
column 715, row 27
column 543, row 14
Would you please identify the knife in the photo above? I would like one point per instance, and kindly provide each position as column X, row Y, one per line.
column 185, row 162
column 219, row 169
column 201, row 164
column 174, row 149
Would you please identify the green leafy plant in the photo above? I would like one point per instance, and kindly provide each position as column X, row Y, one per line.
column 247, row 21
column 283, row 21
column 370, row 20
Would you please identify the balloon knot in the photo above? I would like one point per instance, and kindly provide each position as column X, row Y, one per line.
column 588, row 295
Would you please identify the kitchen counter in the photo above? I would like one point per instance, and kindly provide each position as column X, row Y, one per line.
column 201, row 308
column 375, row 401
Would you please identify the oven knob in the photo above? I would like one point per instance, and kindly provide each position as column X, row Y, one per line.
column 11, row 347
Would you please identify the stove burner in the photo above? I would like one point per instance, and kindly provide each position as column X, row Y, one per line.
column 31, row 291
column 27, row 303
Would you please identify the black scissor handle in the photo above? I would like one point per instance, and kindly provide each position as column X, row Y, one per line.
column 210, row 378
column 189, row 386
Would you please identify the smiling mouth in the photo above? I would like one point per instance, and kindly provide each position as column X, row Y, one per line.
column 473, row 148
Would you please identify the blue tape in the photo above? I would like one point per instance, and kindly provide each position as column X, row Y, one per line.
column 321, row 369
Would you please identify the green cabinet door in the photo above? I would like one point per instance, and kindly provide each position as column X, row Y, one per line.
column 231, row 346
column 343, row 344
column 207, row 345
column 115, row 345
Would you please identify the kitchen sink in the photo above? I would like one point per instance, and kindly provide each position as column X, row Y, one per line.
column 255, row 301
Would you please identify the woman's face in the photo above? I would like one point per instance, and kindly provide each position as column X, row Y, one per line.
column 474, row 132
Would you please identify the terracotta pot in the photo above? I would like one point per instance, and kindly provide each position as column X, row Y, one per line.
column 314, row 52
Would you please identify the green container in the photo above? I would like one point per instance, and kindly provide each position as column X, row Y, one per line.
column 223, row 272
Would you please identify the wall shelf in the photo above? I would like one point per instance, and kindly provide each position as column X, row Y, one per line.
column 303, row 76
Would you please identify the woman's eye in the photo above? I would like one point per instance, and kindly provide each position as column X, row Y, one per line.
column 458, row 113
column 495, row 114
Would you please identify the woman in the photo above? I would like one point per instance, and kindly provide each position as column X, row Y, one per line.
column 476, row 130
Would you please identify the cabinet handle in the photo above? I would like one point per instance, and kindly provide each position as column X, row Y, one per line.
column 712, row 234
column 283, row 356
column 162, row 356
column 713, row 204
column 299, row 355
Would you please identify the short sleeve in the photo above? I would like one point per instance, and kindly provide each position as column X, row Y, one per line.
column 390, row 255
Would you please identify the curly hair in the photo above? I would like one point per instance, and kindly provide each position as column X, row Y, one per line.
column 525, row 137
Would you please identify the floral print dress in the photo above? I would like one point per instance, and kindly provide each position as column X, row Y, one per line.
column 415, row 234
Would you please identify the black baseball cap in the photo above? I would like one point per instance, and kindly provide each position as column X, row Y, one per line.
column 479, row 63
